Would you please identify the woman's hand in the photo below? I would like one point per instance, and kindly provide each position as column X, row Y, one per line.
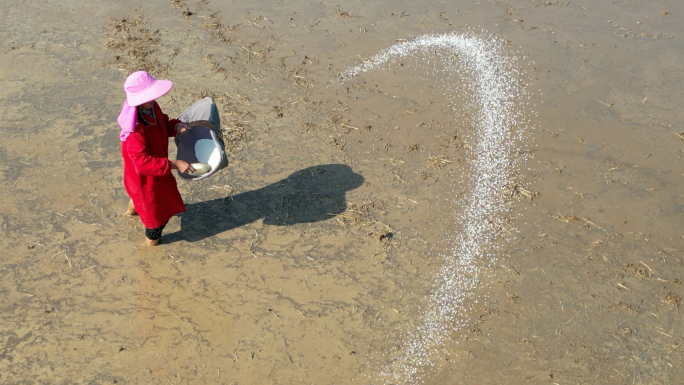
column 182, row 128
column 182, row 166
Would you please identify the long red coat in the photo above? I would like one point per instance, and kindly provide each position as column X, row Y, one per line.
column 147, row 171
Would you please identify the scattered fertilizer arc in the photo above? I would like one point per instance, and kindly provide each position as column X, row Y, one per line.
column 495, row 94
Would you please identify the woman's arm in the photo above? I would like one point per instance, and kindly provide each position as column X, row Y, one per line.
column 182, row 166
column 148, row 165
column 174, row 127
column 145, row 164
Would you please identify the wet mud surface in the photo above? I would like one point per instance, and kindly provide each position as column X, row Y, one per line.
column 313, row 256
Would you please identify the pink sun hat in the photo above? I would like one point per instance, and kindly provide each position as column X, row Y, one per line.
column 141, row 88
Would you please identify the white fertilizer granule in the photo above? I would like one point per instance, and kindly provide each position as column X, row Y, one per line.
column 495, row 93
column 206, row 152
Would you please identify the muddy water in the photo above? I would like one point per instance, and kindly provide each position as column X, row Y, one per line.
column 313, row 257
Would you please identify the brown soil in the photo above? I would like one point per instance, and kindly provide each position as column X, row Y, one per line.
column 310, row 258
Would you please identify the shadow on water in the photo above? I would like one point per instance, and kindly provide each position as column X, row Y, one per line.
column 309, row 195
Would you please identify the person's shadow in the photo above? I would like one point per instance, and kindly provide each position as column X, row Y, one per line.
column 309, row 195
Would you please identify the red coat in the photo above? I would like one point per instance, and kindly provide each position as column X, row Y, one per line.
column 147, row 171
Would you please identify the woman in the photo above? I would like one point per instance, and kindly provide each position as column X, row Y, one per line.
column 145, row 132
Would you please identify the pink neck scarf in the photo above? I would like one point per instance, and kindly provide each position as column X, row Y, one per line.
column 128, row 119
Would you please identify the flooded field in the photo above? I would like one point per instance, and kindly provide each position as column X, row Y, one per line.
column 471, row 192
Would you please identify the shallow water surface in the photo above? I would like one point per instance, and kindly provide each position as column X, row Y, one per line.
column 317, row 255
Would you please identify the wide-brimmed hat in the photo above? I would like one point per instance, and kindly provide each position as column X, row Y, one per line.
column 141, row 88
